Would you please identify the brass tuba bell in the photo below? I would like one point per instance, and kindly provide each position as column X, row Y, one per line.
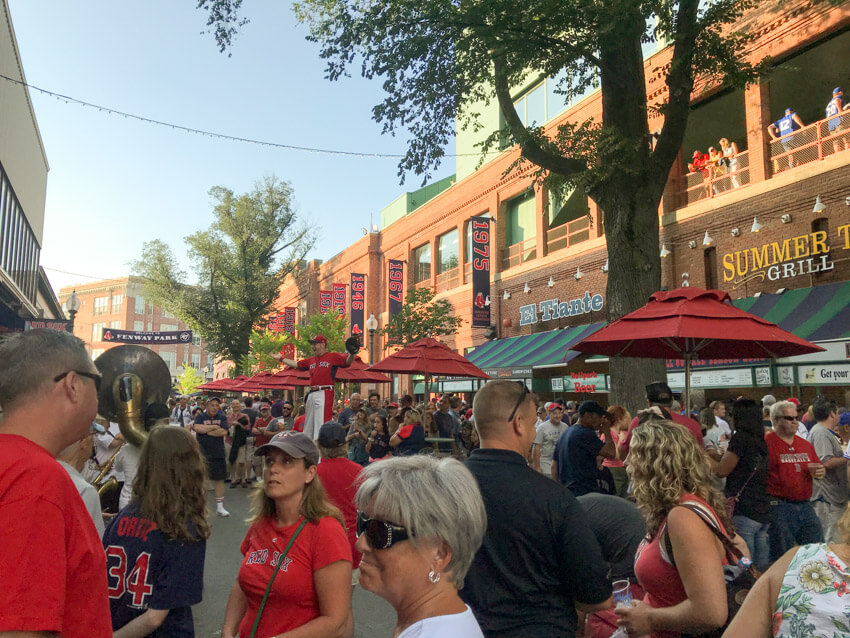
column 134, row 377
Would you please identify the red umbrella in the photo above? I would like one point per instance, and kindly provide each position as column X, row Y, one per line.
column 223, row 385
column 429, row 357
column 691, row 323
column 360, row 372
column 292, row 376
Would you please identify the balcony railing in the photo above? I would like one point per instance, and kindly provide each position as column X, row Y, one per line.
column 467, row 272
column 568, row 234
column 715, row 181
column 519, row 253
column 448, row 279
column 811, row 143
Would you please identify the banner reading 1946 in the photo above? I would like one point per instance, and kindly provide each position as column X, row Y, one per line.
column 358, row 303
column 396, row 286
column 480, row 259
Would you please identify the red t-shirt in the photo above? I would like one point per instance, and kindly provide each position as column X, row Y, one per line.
column 656, row 573
column 52, row 564
column 787, row 467
column 681, row 419
column 262, row 439
column 298, row 423
column 321, row 368
column 339, row 478
column 292, row 601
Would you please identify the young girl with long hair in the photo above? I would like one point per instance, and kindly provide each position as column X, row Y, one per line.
column 155, row 546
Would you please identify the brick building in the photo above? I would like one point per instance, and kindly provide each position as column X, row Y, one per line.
column 752, row 230
column 119, row 304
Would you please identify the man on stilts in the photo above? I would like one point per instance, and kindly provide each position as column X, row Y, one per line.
column 318, row 405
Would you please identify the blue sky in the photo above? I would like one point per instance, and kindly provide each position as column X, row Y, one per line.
column 115, row 183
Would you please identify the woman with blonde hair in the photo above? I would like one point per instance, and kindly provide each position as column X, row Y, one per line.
column 296, row 527
column 410, row 438
column 802, row 594
column 155, row 546
column 621, row 420
column 680, row 563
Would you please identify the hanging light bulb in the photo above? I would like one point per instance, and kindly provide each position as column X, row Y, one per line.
column 707, row 240
column 818, row 205
column 664, row 251
column 605, row 266
column 526, row 288
column 578, row 274
column 507, row 295
column 756, row 226
column 551, row 282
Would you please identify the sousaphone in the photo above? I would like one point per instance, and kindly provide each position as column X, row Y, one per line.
column 134, row 377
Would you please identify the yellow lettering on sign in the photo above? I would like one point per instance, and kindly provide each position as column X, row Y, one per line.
column 729, row 266
column 845, row 230
column 781, row 253
column 760, row 257
column 819, row 246
column 801, row 246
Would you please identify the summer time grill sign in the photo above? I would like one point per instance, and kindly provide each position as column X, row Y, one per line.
column 396, row 285
column 358, row 303
column 112, row 335
column 480, row 258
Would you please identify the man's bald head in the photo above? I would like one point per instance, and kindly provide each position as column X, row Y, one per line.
column 493, row 405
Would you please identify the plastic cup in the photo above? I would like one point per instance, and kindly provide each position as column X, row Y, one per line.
column 815, row 470
column 622, row 594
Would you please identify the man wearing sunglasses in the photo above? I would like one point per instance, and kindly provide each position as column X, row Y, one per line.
column 539, row 561
column 48, row 393
column 792, row 464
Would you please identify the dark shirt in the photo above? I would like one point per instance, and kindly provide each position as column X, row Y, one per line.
column 619, row 527
column 380, row 446
column 539, row 554
column 211, row 446
column 575, row 453
column 346, row 416
column 412, row 438
column 754, row 501
column 277, row 408
column 252, row 414
column 445, row 424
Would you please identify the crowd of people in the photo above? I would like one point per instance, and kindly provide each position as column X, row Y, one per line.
column 526, row 528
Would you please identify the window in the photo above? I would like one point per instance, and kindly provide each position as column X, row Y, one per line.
column 196, row 361
column 96, row 353
column 100, row 305
column 117, row 302
column 421, row 263
column 166, row 314
column 710, row 263
column 150, row 326
column 196, row 339
column 170, row 358
column 139, row 326
column 140, row 305
column 167, row 327
column 97, row 332
column 521, row 220
column 115, row 325
column 447, row 251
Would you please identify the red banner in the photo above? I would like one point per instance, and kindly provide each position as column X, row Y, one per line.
column 325, row 301
column 286, row 321
column 339, row 299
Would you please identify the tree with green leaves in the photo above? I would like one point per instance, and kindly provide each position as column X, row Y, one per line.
column 254, row 241
column 264, row 343
column 440, row 61
column 189, row 380
column 332, row 325
column 421, row 316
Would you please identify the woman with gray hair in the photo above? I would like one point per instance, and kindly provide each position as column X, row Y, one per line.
column 420, row 521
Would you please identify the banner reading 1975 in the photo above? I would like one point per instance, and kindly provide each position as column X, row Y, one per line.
column 358, row 303
column 480, row 259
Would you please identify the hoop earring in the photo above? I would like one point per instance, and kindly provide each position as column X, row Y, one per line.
column 434, row 577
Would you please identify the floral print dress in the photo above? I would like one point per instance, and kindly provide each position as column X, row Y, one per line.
column 811, row 602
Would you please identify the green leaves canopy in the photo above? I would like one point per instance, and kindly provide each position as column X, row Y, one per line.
column 421, row 316
column 240, row 261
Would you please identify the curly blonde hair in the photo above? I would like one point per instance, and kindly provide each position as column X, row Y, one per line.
column 666, row 463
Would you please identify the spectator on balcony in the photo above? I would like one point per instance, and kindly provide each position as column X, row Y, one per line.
column 716, row 168
column 730, row 159
column 783, row 130
column 699, row 163
column 835, row 121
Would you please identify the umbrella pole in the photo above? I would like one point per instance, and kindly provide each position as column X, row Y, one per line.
column 687, row 385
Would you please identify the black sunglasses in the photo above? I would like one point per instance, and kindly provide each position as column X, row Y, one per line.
column 787, row 418
column 89, row 375
column 521, row 399
column 379, row 534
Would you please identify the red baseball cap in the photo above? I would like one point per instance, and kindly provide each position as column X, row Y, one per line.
column 795, row 401
column 319, row 339
column 392, row 405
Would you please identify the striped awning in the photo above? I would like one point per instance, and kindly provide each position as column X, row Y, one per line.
column 530, row 351
column 821, row 313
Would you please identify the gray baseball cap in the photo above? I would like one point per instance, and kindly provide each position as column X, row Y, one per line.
column 296, row 444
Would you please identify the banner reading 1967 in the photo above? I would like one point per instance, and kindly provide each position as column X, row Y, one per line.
column 358, row 303
column 396, row 285
column 480, row 259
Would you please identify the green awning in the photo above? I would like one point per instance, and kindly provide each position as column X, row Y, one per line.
column 820, row 313
column 534, row 350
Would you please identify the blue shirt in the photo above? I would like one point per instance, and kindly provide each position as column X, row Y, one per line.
column 575, row 454
column 211, row 446
column 147, row 570
column 787, row 124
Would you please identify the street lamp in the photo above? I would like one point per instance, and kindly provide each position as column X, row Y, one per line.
column 72, row 305
column 371, row 326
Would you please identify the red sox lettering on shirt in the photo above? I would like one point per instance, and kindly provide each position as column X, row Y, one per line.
column 788, row 473
column 321, row 368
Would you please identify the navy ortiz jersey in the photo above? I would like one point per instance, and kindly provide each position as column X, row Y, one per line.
column 146, row 570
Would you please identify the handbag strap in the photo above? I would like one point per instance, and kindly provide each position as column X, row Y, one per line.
column 274, row 573
column 744, row 486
